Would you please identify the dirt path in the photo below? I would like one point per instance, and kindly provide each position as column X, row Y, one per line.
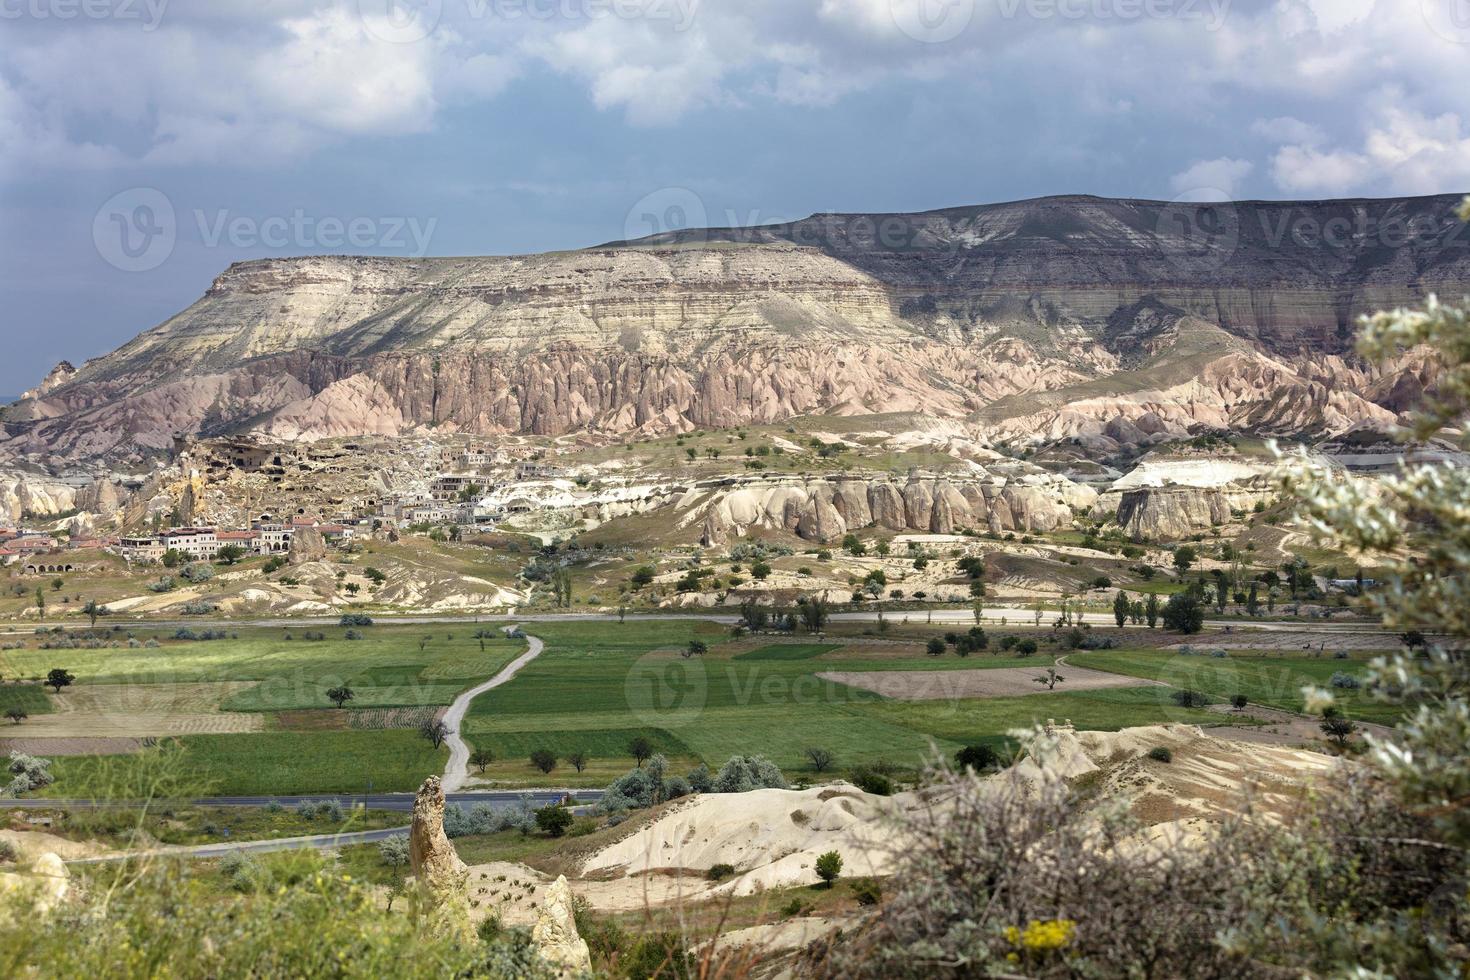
column 457, row 770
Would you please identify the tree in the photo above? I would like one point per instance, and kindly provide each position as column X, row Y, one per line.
column 340, row 695
column 1190, row 699
column 1184, row 614
column 977, row 757
column 853, row 546
column 1122, row 606
column 829, row 867
column 16, row 715
column 553, row 820
column 172, row 558
column 40, row 599
column 622, row 615
column 814, row 614
column 1051, row 679
column 760, row 571
column 820, row 758
column 92, row 610
column 935, row 647
column 578, row 759
column 1239, row 701
column 482, row 759
column 1253, row 601
column 696, row 648
column 58, row 678
column 543, row 759
column 230, row 554
column 977, row 608
column 434, row 732
column 643, row 575
column 641, row 749
column 1337, row 727
column 1184, row 557
column 1151, row 610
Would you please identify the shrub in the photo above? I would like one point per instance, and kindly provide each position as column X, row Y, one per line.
column 872, row 781
column 393, row 851
column 553, row 821
column 720, row 872
column 198, row 572
column 977, row 757
column 741, row 774
column 355, row 619
column 867, row 891
column 1344, row 681
column 1190, row 699
column 1161, row 753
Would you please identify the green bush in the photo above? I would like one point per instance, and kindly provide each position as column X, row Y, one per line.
column 1161, row 753
column 720, row 872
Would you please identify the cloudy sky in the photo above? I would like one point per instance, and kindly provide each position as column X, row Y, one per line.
column 146, row 144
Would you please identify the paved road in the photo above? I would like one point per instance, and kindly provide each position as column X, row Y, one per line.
column 1014, row 615
column 397, row 802
column 320, row 842
column 457, row 769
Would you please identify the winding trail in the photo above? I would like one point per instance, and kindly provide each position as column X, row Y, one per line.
column 457, row 770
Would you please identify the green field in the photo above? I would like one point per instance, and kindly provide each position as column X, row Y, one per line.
column 1268, row 680
column 391, row 666
column 30, row 698
column 788, row 651
column 595, row 679
column 274, row 763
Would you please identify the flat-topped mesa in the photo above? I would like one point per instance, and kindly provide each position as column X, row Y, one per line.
column 1036, row 320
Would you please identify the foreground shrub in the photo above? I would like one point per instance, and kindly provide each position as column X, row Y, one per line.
column 311, row 921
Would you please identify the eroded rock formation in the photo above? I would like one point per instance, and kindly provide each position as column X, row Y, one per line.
column 443, row 879
column 825, row 509
column 555, row 933
column 1171, row 513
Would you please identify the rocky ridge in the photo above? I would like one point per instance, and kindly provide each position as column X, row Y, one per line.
column 1048, row 319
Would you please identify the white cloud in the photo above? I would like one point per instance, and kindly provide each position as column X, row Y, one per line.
column 1286, row 129
column 1211, row 180
column 1402, row 152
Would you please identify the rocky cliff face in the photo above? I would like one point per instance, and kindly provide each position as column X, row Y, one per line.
column 1040, row 319
column 1172, row 513
column 823, row 510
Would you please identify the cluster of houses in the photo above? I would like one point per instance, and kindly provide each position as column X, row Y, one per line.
column 459, row 496
column 205, row 543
